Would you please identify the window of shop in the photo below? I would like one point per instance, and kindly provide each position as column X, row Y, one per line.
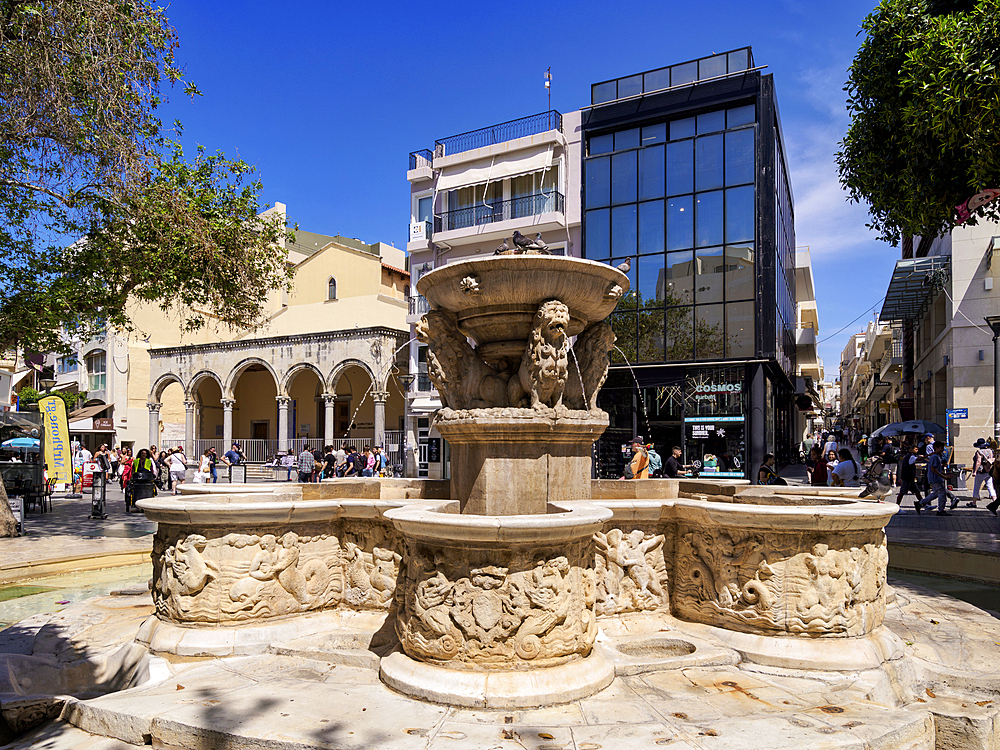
column 715, row 420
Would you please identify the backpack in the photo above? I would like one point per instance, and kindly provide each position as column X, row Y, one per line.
column 655, row 462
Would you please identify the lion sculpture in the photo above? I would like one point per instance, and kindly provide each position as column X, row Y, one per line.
column 462, row 378
column 540, row 379
column 588, row 368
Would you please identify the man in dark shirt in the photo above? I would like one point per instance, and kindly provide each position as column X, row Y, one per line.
column 672, row 466
column 352, row 469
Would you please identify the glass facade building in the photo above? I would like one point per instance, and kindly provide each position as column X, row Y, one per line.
column 684, row 176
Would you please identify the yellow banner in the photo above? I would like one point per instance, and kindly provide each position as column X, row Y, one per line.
column 58, row 456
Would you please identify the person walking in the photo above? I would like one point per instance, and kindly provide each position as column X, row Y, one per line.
column 340, row 460
column 982, row 466
column 204, row 473
column 907, row 472
column 307, row 464
column 938, row 481
column 177, row 462
column 638, row 466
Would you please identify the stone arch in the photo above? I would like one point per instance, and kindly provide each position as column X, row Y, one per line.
column 343, row 366
column 201, row 375
column 239, row 369
column 162, row 382
column 295, row 370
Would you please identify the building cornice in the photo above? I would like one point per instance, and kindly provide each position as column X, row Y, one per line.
column 288, row 340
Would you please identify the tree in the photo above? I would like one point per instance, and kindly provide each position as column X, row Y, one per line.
column 98, row 205
column 924, row 98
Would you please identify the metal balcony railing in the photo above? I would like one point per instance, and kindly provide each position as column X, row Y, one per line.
column 422, row 158
column 424, row 383
column 515, row 208
column 419, row 304
column 505, row 131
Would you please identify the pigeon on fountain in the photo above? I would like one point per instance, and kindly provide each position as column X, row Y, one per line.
column 522, row 243
column 503, row 248
column 877, row 482
column 540, row 244
column 626, row 266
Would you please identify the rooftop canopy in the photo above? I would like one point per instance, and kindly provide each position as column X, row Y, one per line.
column 914, row 282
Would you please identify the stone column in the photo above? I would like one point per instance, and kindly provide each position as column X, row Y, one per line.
column 329, row 402
column 189, row 428
column 380, row 397
column 283, row 402
column 227, row 423
column 154, row 424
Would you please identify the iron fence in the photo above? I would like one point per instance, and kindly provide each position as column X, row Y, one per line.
column 515, row 208
column 505, row 131
column 419, row 304
column 421, row 158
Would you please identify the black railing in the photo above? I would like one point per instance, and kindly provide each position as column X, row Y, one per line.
column 505, row 131
column 419, row 304
column 421, row 158
column 424, row 383
column 515, row 208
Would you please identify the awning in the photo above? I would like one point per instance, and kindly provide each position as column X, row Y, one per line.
column 83, row 420
column 911, row 288
column 89, row 411
column 424, row 405
column 487, row 170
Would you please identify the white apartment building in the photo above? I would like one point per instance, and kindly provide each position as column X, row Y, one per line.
column 467, row 195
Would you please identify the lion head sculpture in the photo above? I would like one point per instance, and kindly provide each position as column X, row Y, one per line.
column 542, row 376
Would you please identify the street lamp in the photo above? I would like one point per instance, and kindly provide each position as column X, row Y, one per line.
column 993, row 321
column 406, row 380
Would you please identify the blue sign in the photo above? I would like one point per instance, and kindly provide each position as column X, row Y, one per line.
column 957, row 413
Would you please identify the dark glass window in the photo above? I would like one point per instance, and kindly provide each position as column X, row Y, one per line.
column 679, row 278
column 651, row 172
column 739, row 272
column 651, row 280
column 678, row 334
column 628, row 301
column 708, row 218
column 740, row 116
column 740, row 329
column 654, row 134
column 655, row 80
column 598, row 182
column 738, row 60
column 712, row 122
column 711, row 67
column 629, row 86
column 602, row 144
column 627, row 139
column 708, row 162
column 682, row 128
column 650, row 336
column 651, row 227
column 680, row 167
column 680, row 223
column 739, row 156
column 623, row 324
column 623, row 239
column 740, row 214
column 709, row 331
column 604, row 92
column 599, row 234
column 623, row 177
column 684, row 73
column 710, row 267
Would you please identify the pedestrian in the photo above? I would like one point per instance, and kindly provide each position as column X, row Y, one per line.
column 907, row 472
column 638, row 465
column 847, row 473
column 114, row 458
column 163, row 471
column 329, row 463
column 379, row 461
column 234, row 455
column 821, row 471
column 340, row 460
column 177, row 462
column 831, row 445
column 655, row 462
column 982, row 467
column 307, row 464
column 672, row 467
column 214, row 460
column 353, row 466
column 766, row 473
column 938, row 481
column 204, row 473
column 143, row 475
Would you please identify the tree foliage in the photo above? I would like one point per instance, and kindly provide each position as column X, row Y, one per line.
column 924, row 98
column 98, row 204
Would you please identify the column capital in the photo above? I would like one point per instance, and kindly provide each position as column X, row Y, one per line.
column 380, row 396
column 153, row 408
column 283, row 400
column 189, row 405
column 329, row 398
column 228, row 403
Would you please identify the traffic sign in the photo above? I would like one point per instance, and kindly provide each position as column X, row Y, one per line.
column 957, row 413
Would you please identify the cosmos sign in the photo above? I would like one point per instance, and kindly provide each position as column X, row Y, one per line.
column 719, row 388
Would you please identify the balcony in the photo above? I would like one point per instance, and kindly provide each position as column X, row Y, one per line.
column 418, row 304
column 515, row 208
column 420, row 167
column 494, row 134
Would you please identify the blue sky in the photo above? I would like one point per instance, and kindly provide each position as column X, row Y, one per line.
column 327, row 100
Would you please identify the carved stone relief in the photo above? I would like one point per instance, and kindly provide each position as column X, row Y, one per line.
column 764, row 582
column 497, row 608
column 631, row 571
column 541, row 378
column 236, row 577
